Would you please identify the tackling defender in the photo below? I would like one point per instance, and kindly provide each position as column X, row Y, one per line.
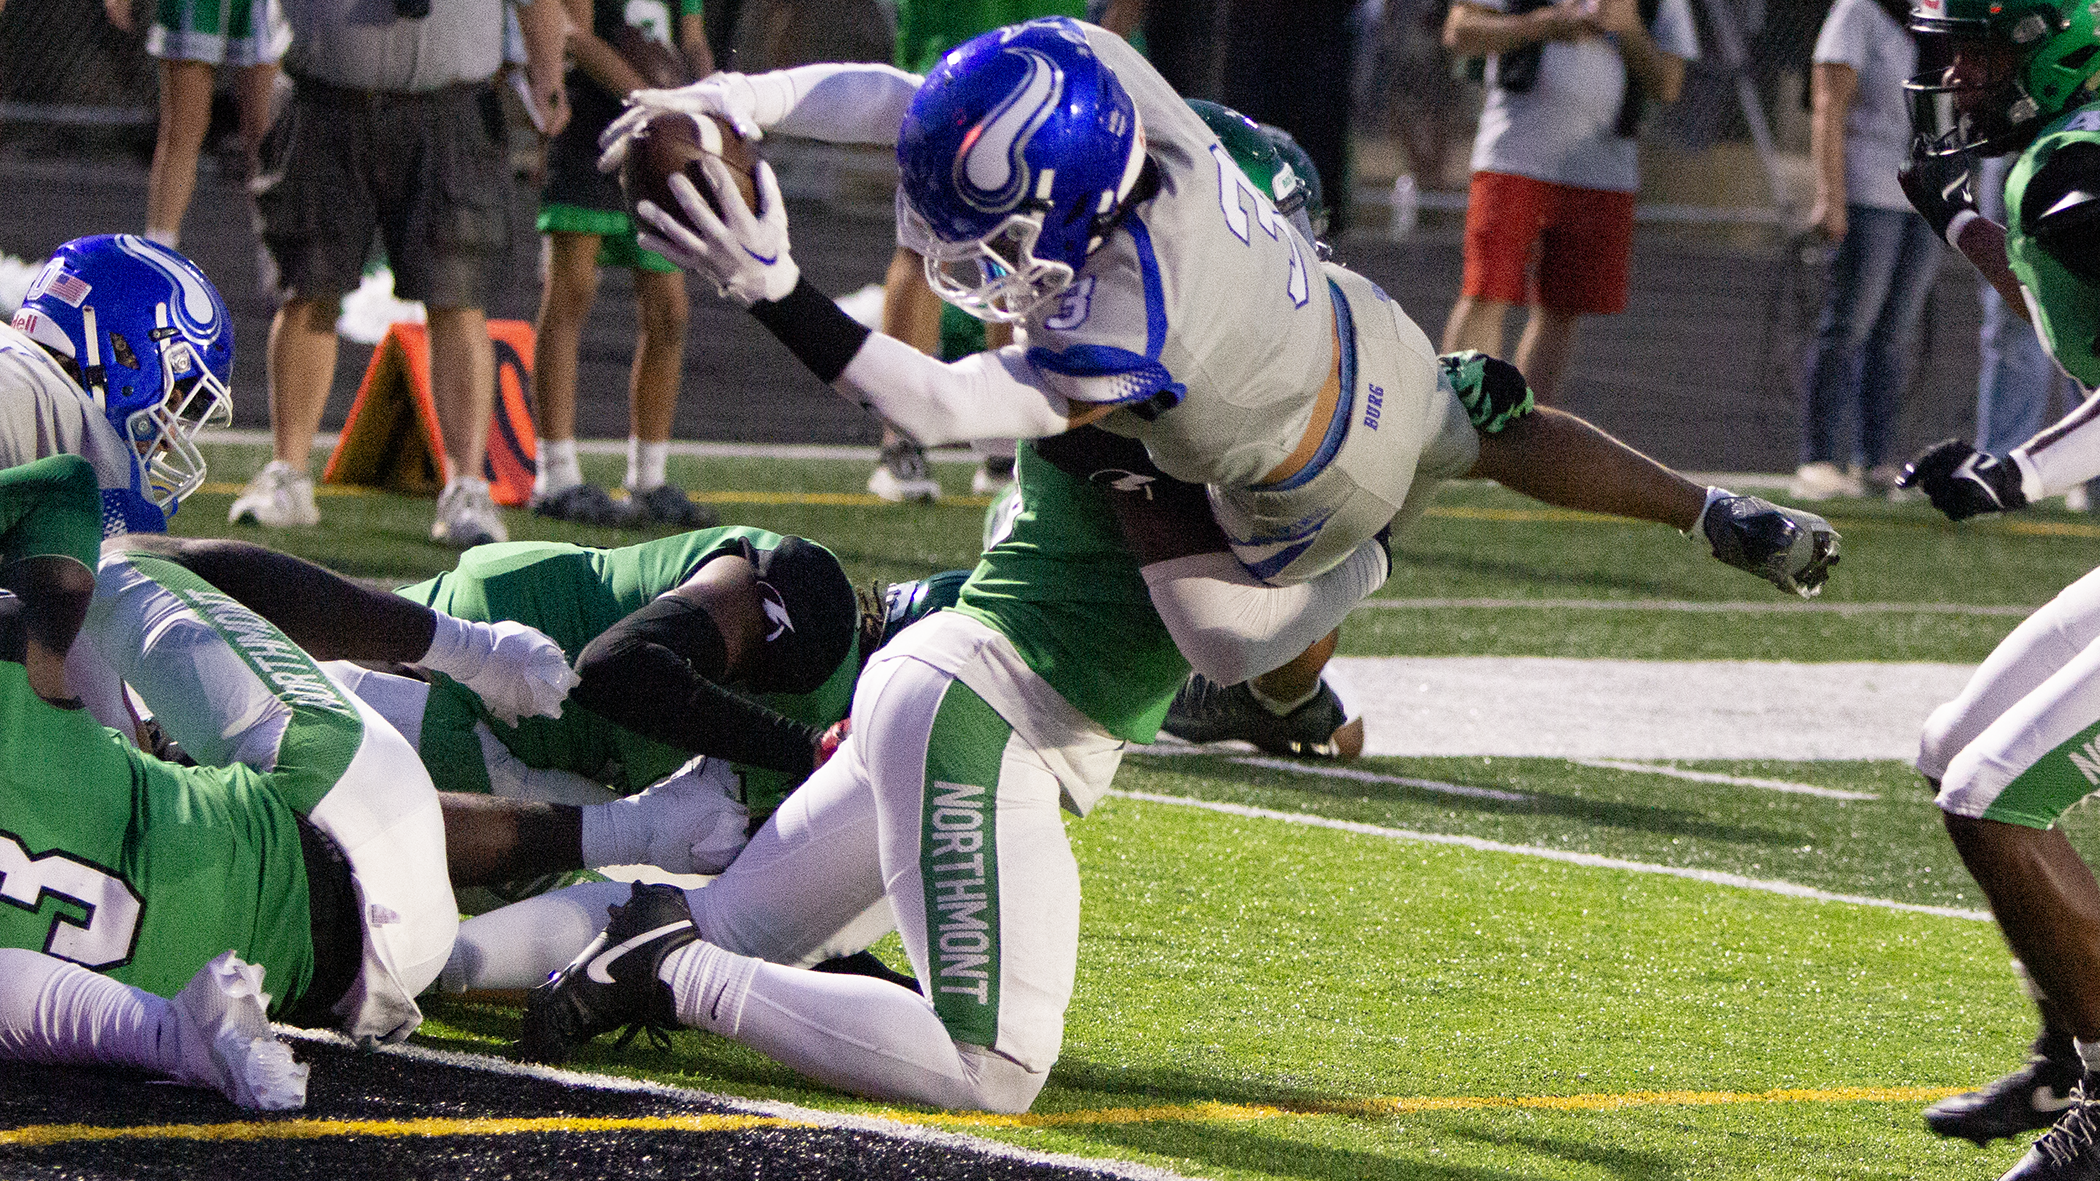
column 2014, row 751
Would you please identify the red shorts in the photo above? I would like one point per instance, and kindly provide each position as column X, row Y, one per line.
column 1535, row 242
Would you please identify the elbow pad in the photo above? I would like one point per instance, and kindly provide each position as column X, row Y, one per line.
column 990, row 395
column 1233, row 627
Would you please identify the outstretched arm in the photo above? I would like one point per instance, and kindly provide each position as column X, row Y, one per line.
column 515, row 669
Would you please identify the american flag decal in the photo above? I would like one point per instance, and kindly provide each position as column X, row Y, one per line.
column 66, row 286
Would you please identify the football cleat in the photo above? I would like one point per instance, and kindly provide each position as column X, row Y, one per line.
column 2068, row 1151
column 1205, row 711
column 2029, row 1098
column 279, row 497
column 613, row 982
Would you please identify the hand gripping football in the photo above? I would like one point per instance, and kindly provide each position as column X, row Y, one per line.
column 671, row 142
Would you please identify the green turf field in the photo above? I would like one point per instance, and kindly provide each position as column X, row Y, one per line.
column 1260, row 997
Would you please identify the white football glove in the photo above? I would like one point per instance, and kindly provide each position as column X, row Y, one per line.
column 1792, row 549
column 517, row 671
column 747, row 256
column 690, row 821
column 728, row 95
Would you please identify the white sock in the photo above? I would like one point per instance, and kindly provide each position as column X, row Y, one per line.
column 2088, row 1053
column 851, row 1032
column 58, row 1012
column 558, row 468
column 516, row 946
column 645, row 464
column 1280, row 708
column 167, row 238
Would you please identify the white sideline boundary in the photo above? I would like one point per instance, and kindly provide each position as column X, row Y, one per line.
column 815, row 1117
column 1566, row 857
column 1779, row 785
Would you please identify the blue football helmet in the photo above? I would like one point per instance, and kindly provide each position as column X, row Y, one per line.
column 150, row 341
column 1016, row 154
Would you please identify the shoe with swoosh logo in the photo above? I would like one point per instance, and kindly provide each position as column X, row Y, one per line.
column 2069, row 1150
column 613, row 982
column 2029, row 1098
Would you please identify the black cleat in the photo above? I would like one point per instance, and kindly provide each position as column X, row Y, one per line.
column 2029, row 1098
column 613, row 982
column 668, row 504
column 2068, row 1151
column 587, row 504
column 1205, row 711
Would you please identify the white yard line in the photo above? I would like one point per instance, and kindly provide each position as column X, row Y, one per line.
column 1748, row 607
column 1804, row 789
column 1644, row 710
column 1589, row 860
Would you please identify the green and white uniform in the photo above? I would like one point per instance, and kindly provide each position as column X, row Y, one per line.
column 2021, row 744
column 145, row 870
column 970, row 730
column 573, row 594
column 220, row 32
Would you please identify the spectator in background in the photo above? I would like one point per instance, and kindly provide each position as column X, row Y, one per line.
column 1549, row 222
column 192, row 38
column 615, row 46
column 393, row 127
column 1885, row 257
column 2016, row 377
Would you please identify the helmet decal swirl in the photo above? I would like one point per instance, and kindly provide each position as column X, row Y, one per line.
column 990, row 173
column 196, row 311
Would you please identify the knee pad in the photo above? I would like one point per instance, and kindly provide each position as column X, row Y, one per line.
column 999, row 1083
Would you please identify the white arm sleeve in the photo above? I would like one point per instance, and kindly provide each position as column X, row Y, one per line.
column 1232, row 626
column 838, row 102
column 991, row 395
column 2063, row 456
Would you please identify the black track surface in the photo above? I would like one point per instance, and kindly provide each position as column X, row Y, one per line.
column 349, row 1085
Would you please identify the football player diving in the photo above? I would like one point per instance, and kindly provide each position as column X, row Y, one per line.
column 1052, row 180
column 2012, row 753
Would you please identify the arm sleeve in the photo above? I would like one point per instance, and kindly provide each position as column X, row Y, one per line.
column 657, row 673
column 989, row 395
column 841, row 103
column 2060, row 209
column 1232, row 626
column 2064, row 455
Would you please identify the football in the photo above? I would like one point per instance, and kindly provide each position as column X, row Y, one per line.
column 672, row 142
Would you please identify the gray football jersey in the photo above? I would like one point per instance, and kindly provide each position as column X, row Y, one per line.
column 43, row 412
column 1206, row 290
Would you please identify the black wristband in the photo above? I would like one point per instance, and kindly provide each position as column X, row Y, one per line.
column 816, row 330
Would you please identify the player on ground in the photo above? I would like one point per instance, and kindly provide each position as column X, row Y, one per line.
column 319, row 864
column 968, row 732
column 1054, row 181
column 2015, row 751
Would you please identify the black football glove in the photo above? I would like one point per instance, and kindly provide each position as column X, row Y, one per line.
column 1938, row 186
column 1791, row 549
column 1963, row 482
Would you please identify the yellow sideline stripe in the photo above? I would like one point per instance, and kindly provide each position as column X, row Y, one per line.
column 1376, row 1108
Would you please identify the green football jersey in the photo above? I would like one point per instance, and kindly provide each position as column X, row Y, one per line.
column 1060, row 584
column 2067, row 307
column 110, row 857
column 574, row 593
